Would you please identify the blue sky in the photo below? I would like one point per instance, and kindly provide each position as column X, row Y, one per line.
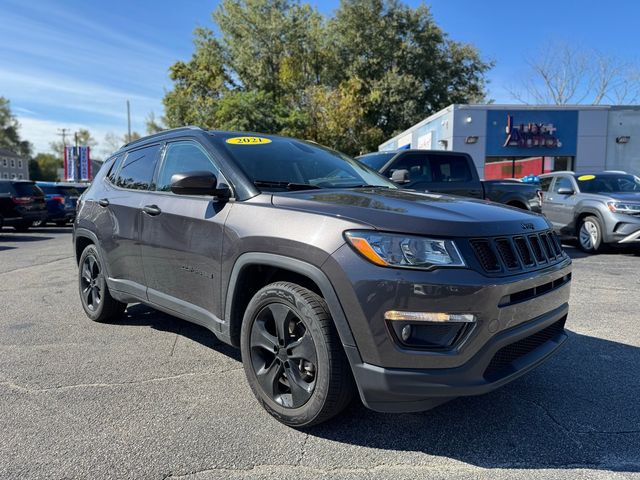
column 73, row 63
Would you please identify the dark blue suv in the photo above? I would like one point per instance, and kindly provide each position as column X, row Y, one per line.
column 61, row 202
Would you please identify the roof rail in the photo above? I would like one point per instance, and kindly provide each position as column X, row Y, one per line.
column 163, row 132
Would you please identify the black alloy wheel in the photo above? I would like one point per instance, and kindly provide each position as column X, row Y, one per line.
column 283, row 355
column 292, row 355
column 95, row 297
column 91, row 282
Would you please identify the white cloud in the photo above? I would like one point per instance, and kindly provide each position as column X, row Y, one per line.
column 41, row 133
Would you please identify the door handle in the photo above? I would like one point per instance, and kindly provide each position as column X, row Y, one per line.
column 103, row 202
column 152, row 210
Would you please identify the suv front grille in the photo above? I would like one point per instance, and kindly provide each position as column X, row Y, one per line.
column 517, row 253
column 504, row 358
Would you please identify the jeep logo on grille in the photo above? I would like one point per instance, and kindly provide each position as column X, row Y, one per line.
column 528, row 226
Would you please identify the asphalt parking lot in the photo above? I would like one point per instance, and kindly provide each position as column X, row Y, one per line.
column 156, row 397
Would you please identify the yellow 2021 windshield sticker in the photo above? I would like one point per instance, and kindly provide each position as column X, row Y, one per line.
column 583, row 178
column 248, row 140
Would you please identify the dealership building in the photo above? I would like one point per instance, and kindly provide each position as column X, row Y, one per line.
column 513, row 141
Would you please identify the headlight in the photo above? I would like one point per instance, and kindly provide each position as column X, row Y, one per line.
column 391, row 250
column 623, row 207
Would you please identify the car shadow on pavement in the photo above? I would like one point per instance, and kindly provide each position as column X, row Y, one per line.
column 571, row 247
column 21, row 237
column 579, row 410
column 142, row 315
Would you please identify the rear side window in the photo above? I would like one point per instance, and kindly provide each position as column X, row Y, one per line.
column 115, row 166
column 545, row 183
column 182, row 157
column 137, row 169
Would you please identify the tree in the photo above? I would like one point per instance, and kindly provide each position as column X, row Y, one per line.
column 9, row 131
column 567, row 74
column 154, row 125
column 83, row 136
column 279, row 66
column 48, row 165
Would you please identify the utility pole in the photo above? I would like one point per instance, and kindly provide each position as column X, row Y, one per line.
column 62, row 132
column 128, row 122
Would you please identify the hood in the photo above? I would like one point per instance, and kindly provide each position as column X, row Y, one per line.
column 414, row 212
column 623, row 196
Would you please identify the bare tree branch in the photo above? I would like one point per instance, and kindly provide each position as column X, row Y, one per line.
column 564, row 74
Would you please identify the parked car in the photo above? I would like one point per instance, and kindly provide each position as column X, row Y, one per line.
column 61, row 202
column 21, row 203
column 595, row 208
column 329, row 278
column 452, row 173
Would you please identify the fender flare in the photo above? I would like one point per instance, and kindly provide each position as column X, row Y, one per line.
column 83, row 232
column 297, row 266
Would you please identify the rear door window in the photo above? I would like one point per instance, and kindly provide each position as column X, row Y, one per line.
column 545, row 183
column 450, row 168
column 417, row 164
column 137, row 169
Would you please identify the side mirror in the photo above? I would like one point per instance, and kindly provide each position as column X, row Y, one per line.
column 565, row 191
column 198, row 183
column 400, row 176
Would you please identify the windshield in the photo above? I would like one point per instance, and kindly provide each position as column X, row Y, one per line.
column 376, row 160
column 616, row 183
column 278, row 163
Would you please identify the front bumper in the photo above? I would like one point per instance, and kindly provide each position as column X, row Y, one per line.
column 394, row 377
column 621, row 228
column 504, row 358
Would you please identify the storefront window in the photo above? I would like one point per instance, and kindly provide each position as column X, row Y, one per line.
column 518, row 167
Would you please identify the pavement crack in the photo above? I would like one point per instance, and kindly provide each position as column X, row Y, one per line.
column 570, row 432
column 22, row 388
column 303, row 450
column 36, row 265
column 175, row 341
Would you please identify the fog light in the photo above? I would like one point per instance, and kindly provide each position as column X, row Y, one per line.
column 406, row 333
column 395, row 315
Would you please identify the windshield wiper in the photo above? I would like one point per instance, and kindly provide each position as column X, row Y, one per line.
column 364, row 185
column 286, row 185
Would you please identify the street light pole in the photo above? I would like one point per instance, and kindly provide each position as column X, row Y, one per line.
column 128, row 122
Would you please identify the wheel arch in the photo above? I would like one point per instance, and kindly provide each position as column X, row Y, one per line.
column 584, row 212
column 270, row 268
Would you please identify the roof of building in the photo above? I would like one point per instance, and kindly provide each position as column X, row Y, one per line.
column 5, row 152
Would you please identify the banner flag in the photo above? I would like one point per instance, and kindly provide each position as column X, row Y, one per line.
column 77, row 164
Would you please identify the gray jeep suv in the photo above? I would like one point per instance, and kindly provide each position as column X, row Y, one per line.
column 596, row 208
column 329, row 278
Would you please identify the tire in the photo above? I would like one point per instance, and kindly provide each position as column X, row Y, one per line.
column 308, row 351
column 590, row 234
column 22, row 227
column 95, row 297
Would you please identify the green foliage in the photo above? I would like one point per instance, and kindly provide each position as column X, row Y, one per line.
column 45, row 168
column 351, row 81
column 9, row 135
column 84, row 137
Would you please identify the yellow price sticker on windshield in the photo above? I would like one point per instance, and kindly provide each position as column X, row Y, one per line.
column 582, row 178
column 248, row 140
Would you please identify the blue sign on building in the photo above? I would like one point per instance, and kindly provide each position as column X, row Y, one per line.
column 530, row 133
